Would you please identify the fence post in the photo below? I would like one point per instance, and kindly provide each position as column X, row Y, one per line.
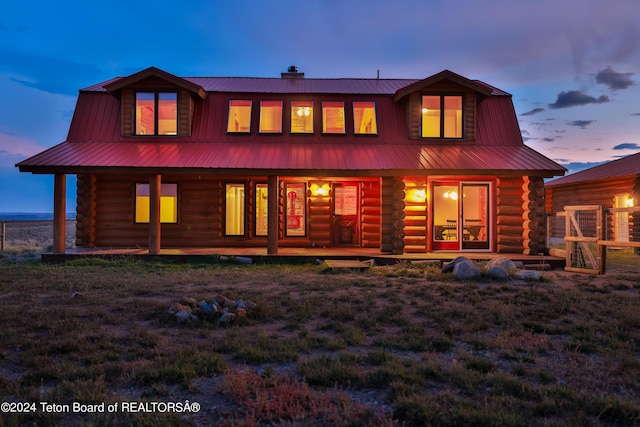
column 3, row 232
column 604, row 236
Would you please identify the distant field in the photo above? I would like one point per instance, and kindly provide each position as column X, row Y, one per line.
column 34, row 235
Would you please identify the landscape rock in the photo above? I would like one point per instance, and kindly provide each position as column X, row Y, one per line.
column 503, row 262
column 220, row 309
column 527, row 275
column 498, row 272
column 449, row 267
column 466, row 270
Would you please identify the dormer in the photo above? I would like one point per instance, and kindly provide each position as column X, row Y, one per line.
column 442, row 107
column 156, row 103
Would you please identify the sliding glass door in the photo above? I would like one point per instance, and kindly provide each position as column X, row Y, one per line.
column 460, row 215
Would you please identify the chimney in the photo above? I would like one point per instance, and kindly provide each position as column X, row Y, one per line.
column 292, row 73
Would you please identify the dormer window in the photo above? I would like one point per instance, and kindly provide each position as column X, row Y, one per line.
column 364, row 118
column 239, row 116
column 156, row 113
column 441, row 116
column 270, row 116
column 333, row 117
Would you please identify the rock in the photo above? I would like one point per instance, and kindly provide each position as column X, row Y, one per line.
column 250, row 305
column 227, row 318
column 207, row 309
column 449, row 267
column 191, row 302
column 220, row 299
column 241, row 312
column 497, row 272
column 503, row 262
column 184, row 316
column 466, row 270
column 527, row 275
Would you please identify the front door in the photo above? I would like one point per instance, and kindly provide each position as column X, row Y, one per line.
column 346, row 214
column 460, row 215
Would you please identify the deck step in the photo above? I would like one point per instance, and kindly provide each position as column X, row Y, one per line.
column 351, row 264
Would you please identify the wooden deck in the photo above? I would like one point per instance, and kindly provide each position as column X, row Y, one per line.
column 292, row 255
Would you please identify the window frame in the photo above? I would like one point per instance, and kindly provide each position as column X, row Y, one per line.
column 156, row 112
column 239, row 132
column 280, row 103
column 375, row 118
column 442, row 117
column 324, row 118
column 243, row 220
column 294, row 110
column 258, row 211
column 148, row 208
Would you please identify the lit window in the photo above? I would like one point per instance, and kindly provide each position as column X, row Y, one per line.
column 333, row 117
column 435, row 124
column 156, row 113
column 239, row 116
column 262, row 209
column 168, row 203
column 295, row 209
column 364, row 118
column 301, row 117
column 270, row 116
column 234, row 210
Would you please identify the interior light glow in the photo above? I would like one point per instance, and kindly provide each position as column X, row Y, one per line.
column 451, row 194
column 630, row 202
column 425, row 110
column 319, row 189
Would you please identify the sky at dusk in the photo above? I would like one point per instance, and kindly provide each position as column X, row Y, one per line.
column 572, row 66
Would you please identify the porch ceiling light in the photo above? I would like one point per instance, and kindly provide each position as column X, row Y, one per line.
column 417, row 195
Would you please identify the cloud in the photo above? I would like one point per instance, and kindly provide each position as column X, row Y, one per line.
column 582, row 124
column 532, row 112
column 574, row 98
column 614, row 80
column 627, row 146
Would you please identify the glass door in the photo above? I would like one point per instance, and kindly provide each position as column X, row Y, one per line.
column 460, row 215
column 346, row 218
column 475, row 215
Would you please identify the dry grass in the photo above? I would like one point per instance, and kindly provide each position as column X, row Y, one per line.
column 401, row 345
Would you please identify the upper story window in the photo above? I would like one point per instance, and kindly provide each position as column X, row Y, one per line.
column 301, row 116
column 333, row 117
column 441, row 116
column 239, row 116
column 270, row 116
column 156, row 113
column 364, row 118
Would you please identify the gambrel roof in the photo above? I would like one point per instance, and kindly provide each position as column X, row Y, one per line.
column 95, row 140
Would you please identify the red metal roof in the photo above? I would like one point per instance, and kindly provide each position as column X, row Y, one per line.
column 95, row 141
column 304, row 158
column 625, row 166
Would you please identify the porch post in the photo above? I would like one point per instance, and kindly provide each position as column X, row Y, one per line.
column 59, row 212
column 272, row 234
column 154, row 214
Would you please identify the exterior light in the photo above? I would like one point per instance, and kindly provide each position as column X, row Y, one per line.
column 417, row 195
column 319, row 189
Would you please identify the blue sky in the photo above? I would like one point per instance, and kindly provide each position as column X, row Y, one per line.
column 572, row 66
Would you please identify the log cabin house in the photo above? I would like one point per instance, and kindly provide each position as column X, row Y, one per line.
column 399, row 165
column 612, row 185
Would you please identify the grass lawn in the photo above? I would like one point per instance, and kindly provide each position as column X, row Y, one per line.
column 396, row 345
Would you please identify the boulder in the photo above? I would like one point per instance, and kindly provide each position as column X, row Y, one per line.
column 503, row 262
column 498, row 272
column 466, row 270
column 449, row 267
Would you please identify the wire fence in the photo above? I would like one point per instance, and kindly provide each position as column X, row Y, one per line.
column 616, row 233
